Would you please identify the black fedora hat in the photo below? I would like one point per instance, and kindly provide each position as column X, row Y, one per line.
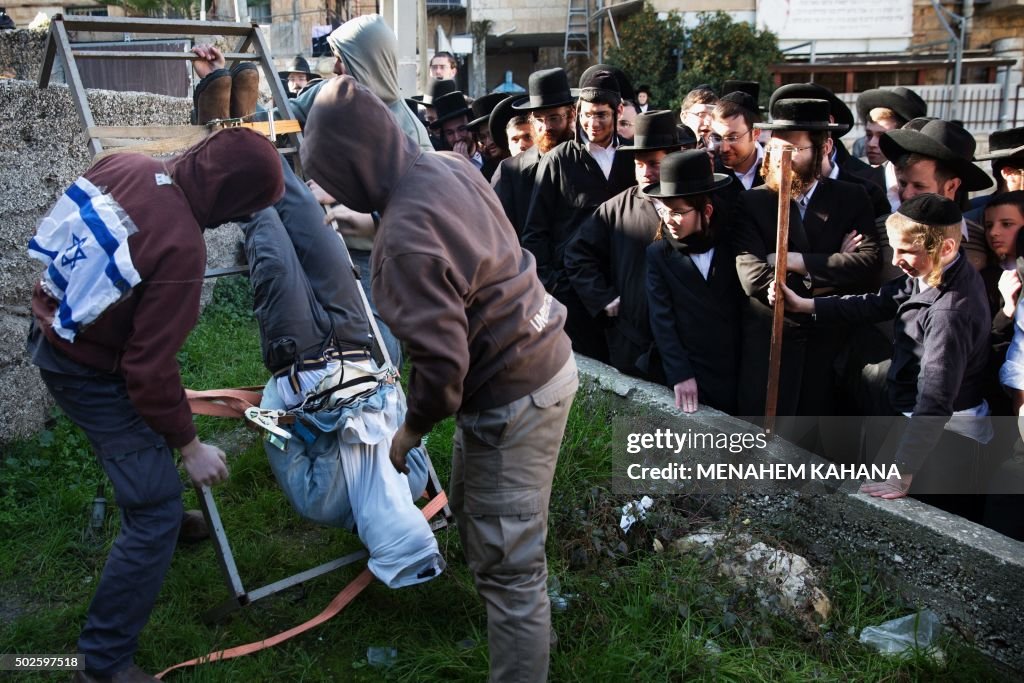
column 483, row 106
column 298, row 65
column 905, row 102
column 800, row 114
column 435, row 89
column 1004, row 143
column 687, row 138
column 918, row 123
column 547, row 88
column 497, row 122
column 687, row 173
column 450, row 106
column 940, row 140
column 841, row 114
column 655, row 130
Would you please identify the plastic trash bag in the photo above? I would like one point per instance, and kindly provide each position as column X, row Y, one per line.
column 918, row 630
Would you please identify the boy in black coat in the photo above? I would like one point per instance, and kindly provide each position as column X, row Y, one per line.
column 941, row 346
column 693, row 293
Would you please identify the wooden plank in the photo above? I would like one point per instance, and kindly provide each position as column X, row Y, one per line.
column 160, row 26
column 281, row 126
column 114, row 54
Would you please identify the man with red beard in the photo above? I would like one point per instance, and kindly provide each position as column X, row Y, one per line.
column 572, row 180
column 607, row 260
column 825, row 257
column 549, row 106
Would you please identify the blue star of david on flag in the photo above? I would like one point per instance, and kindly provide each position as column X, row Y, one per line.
column 79, row 254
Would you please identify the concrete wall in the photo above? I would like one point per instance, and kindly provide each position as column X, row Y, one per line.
column 972, row 576
column 44, row 151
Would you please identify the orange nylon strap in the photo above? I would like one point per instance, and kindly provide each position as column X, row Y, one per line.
column 222, row 402
column 340, row 601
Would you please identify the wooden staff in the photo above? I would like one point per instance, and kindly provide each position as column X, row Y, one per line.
column 781, row 254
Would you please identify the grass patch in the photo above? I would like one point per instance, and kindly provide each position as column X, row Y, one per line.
column 631, row 613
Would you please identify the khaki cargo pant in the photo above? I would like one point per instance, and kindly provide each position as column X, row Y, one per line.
column 503, row 463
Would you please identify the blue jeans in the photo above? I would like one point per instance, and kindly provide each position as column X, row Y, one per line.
column 147, row 489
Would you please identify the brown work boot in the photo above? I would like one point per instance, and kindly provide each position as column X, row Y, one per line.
column 213, row 96
column 193, row 527
column 132, row 674
column 245, row 89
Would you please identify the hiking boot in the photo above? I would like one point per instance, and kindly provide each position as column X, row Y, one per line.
column 132, row 674
column 245, row 89
column 193, row 527
column 213, row 96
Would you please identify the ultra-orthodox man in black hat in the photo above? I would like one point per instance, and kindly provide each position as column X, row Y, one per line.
column 572, row 180
column 833, row 248
column 840, row 165
column 606, row 260
column 938, row 158
column 489, row 149
column 550, row 107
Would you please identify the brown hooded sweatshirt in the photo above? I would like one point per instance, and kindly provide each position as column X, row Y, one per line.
column 449, row 276
column 230, row 174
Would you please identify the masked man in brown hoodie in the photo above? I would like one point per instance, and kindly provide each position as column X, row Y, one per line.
column 125, row 257
column 486, row 344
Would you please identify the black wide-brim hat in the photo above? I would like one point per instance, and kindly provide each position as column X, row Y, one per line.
column 940, row 140
column 483, row 106
column 497, row 122
column 800, row 114
column 653, row 131
column 547, row 88
column 298, row 65
column 450, row 106
column 841, row 114
column 905, row 102
column 687, row 173
column 1004, row 143
column 435, row 88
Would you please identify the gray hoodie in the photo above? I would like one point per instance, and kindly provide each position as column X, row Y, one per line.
column 369, row 49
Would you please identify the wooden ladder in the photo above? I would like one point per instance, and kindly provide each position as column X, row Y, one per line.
column 251, row 47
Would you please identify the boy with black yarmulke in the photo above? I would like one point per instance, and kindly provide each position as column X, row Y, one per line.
column 940, row 351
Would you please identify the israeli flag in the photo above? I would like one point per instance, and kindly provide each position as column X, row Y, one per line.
column 83, row 242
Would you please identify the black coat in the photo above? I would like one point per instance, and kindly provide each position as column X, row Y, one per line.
column 568, row 188
column 513, row 183
column 836, row 208
column 696, row 322
column 607, row 259
column 879, row 202
column 941, row 346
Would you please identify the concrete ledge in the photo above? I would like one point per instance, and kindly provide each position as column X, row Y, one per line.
column 969, row 574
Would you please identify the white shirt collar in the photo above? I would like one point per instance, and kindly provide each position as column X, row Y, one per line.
column 747, row 179
column 604, row 156
column 808, row 194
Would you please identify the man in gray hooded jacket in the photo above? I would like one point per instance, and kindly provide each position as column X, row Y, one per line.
column 486, row 344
